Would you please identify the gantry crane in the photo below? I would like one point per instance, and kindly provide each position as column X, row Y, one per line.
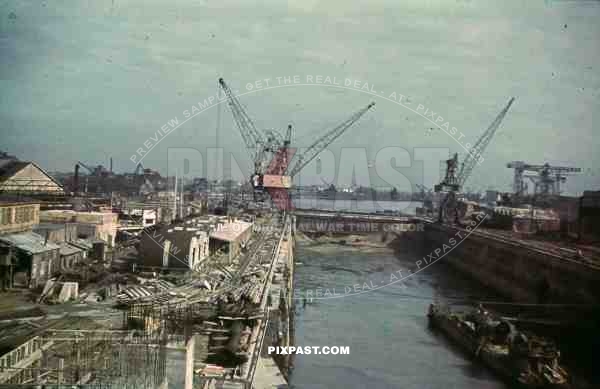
column 456, row 177
column 548, row 179
column 271, row 153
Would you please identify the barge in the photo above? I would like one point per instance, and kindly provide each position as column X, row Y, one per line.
column 522, row 359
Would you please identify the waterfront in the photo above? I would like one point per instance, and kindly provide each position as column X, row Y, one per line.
column 390, row 343
column 405, row 207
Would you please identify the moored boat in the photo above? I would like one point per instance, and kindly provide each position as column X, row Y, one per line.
column 523, row 359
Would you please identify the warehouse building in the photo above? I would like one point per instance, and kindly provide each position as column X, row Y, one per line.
column 18, row 215
column 20, row 177
column 90, row 225
column 34, row 259
column 174, row 246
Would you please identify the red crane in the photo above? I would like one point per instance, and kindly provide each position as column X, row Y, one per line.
column 271, row 153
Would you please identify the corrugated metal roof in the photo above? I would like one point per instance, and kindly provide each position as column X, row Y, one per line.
column 85, row 244
column 12, row 167
column 29, row 241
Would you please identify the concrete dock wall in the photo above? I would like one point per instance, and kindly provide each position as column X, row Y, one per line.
column 517, row 271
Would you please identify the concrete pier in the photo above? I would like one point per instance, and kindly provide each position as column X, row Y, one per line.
column 263, row 370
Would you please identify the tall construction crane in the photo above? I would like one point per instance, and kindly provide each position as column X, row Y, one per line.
column 548, row 179
column 271, row 153
column 456, row 177
column 92, row 171
column 99, row 172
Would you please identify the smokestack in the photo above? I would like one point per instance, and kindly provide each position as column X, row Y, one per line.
column 76, row 179
column 175, row 198
column 111, row 165
column 181, row 200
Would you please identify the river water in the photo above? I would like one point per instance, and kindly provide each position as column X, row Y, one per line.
column 390, row 343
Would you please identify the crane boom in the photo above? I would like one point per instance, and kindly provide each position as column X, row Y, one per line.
column 320, row 144
column 89, row 169
column 252, row 137
column 453, row 182
column 480, row 146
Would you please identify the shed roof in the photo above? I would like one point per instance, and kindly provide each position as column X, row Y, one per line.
column 68, row 249
column 29, row 242
column 85, row 244
column 10, row 167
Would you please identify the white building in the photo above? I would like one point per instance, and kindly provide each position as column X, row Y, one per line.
column 143, row 217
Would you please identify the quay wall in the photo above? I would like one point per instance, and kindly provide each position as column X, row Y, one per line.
column 278, row 305
column 520, row 272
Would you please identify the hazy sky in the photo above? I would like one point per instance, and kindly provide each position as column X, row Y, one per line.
column 85, row 80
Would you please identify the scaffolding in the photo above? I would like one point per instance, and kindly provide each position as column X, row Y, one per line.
column 102, row 359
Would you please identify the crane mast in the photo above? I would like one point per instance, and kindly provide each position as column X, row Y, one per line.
column 288, row 136
column 284, row 155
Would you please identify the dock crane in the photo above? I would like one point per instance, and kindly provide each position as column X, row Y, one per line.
column 456, row 177
column 99, row 172
column 90, row 170
column 548, row 179
column 271, row 153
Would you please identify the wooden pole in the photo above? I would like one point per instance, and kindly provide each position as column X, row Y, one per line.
column 61, row 367
column 189, row 357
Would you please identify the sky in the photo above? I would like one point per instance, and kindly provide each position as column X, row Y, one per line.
column 93, row 79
